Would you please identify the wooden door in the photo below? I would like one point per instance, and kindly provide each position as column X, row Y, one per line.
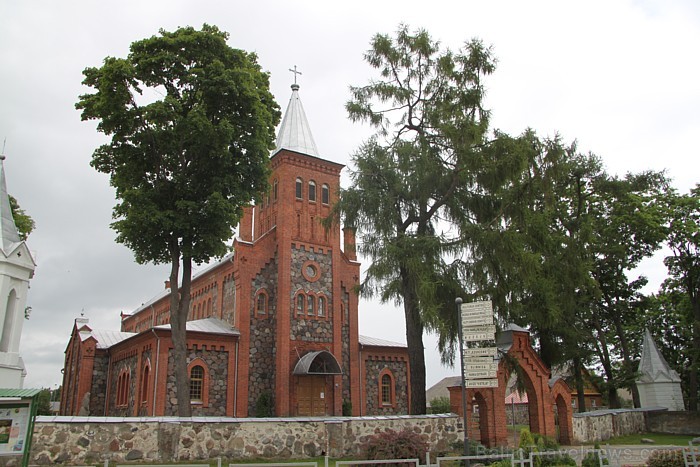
column 311, row 396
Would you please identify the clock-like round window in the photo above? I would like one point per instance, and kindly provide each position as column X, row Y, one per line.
column 311, row 271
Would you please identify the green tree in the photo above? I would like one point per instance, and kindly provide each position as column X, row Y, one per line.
column 191, row 122
column 422, row 185
column 629, row 225
column 24, row 223
column 43, row 401
column 684, row 269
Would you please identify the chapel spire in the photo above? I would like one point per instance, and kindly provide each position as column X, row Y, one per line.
column 294, row 133
column 8, row 230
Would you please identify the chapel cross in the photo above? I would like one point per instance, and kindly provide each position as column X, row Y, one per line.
column 295, row 73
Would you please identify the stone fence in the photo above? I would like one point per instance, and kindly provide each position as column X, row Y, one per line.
column 600, row 425
column 92, row 440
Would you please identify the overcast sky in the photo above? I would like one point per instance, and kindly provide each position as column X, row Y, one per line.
column 621, row 77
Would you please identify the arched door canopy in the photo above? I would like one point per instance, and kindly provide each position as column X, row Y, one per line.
column 321, row 362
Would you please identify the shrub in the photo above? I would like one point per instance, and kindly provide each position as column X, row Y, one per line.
column 666, row 458
column 391, row 444
column 347, row 408
column 592, row 459
column 264, row 406
column 440, row 405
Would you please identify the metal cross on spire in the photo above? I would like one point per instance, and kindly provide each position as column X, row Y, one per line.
column 295, row 73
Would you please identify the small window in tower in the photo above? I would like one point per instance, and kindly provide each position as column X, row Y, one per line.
column 321, row 306
column 298, row 188
column 312, row 191
column 275, row 191
column 310, row 306
column 261, row 306
column 267, row 199
column 300, row 304
column 325, row 194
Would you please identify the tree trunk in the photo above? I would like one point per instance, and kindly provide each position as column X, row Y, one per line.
column 627, row 365
column 179, row 309
column 695, row 355
column 578, row 381
column 613, row 401
column 414, row 341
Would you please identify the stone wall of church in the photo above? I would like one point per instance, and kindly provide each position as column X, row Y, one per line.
column 127, row 363
column 316, row 329
column 98, row 389
column 399, row 370
column 263, row 351
column 79, row 441
column 346, row 345
column 217, row 362
column 229, row 301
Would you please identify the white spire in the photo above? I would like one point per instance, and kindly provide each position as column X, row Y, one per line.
column 294, row 133
column 8, row 229
column 653, row 367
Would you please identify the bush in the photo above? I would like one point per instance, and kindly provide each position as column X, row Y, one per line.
column 440, row 405
column 592, row 459
column 347, row 408
column 666, row 458
column 391, row 444
column 264, row 406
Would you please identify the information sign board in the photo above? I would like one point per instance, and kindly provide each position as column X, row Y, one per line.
column 468, row 366
column 478, row 336
column 480, row 352
column 479, row 374
column 482, row 383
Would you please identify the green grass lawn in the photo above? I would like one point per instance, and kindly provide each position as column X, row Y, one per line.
column 659, row 439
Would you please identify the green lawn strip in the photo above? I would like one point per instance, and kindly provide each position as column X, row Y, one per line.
column 659, row 439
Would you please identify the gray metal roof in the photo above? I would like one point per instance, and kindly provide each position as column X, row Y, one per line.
column 8, row 229
column 294, row 133
column 373, row 341
column 210, row 325
column 653, row 367
column 105, row 338
column 320, row 362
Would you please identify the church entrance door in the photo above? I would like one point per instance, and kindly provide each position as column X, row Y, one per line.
column 311, row 400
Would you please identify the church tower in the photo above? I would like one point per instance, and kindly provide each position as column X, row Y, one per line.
column 16, row 269
column 303, row 307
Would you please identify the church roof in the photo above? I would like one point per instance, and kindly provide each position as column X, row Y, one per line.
column 294, row 133
column 105, row 338
column 373, row 341
column 8, row 229
column 653, row 367
column 209, row 325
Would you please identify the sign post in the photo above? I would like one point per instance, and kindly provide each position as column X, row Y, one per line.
column 479, row 369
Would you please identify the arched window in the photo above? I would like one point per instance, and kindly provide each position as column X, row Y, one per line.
column 312, row 191
column 300, row 304
column 298, row 188
column 144, row 383
column 310, row 305
column 261, row 303
column 196, row 383
column 387, row 394
column 123, row 382
column 325, row 194
column 321, row 306
column 275, row 190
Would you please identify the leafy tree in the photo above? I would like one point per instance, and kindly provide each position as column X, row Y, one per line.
column 440, row 405
column 191, row 122
column 24, row 223
column 422, row 184
column 43, row 401
column 629, row 225
column 684, row 269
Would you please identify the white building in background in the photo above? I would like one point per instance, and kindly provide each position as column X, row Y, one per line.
column 16, row 269
column 658, row 384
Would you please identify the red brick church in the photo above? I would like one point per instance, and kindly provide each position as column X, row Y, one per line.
column 277, row 320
